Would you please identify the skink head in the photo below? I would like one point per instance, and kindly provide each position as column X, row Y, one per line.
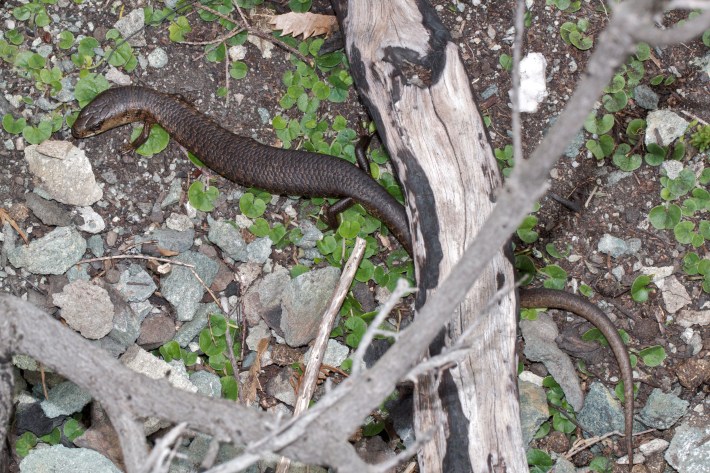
column 111, row 108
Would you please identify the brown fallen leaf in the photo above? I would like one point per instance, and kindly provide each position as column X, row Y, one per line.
column 247, row 395
column 306, row 24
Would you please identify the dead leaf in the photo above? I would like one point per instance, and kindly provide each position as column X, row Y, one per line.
column 306, row 24
column 248, row 392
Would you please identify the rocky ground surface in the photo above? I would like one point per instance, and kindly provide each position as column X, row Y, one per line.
column 101, row 201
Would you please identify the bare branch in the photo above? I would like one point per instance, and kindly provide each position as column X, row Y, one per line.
column 679, row 34
column 515, row 93
column 309, row 379
column 131, row 435
column 400, row 291
column 162, row 448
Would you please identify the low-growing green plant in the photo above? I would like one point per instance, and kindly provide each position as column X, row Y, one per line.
column 640, row 289
column 701, row 138
column 202, row 197
column 568, row 6
column 506, row 62
column 573, row 33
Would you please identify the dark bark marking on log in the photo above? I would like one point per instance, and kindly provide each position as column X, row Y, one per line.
column 415, row 69
column 415, row 178
column 456, row 457
column 500, row 280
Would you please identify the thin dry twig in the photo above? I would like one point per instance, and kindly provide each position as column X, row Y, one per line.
column 401, row 290
column 155, row 258
column 309, row 379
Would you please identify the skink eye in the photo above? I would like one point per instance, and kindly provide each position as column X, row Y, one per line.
column 96, row 126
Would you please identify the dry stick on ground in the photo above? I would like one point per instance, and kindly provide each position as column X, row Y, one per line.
column 320, row 435
column 308, row 383
column 162, row 260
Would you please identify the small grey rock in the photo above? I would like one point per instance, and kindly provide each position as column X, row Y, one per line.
column 86, row 308
column 65, row 399
column 689, row 449
column 662, row 410
column 131, row 26
column 155, row 331
column 540, row 346
column 192, row 328
column 601, row 412
column 174, row 193
column 280, row 387
column 96, row 245
column 304, row 302
column 54, row 253
column 158, row 58
column 533, row 409
column 207, row 383
column 91, row 221
column 645, row 97
column 64, row 171
column 49, row 212
column 182, row 289
column 263, row 299
column 616, row 247
column 135, row 284
column 228, row 238
column 670, row 126
column 60, row 459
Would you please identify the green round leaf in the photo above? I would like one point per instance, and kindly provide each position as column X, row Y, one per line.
column 297, row 270
column 653, row 356
column 170, row 351
column 260, row 228
column 683, row 232
column 625, row 162
column 211, row 346
column 599, row 126
column 157, row 140
column 238, row 70
column 639, row 288
column 230, row 388
column 251, row 206
column 556, row 276
column 37, row 134
column 539, row 458
column 200, row 198
column 349, row 229
column 664, row 217
column 73, row 430
column 365, row 271
column 615, row 102
column 218, row 325
column 66, row 40
column 643, row 52
column 617, row 84
column 13, row 126
column 87, row 88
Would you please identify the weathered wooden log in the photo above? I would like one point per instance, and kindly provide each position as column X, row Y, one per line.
column 411, row 78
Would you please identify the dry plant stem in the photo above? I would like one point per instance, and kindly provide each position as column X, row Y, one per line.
column 310, row 376
column 258, row 33
column 400, row 291
column 585, row 443
column 517, row 57
column 162, row 260
column 163, row 447
column 130, row 433
column 7, row 384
